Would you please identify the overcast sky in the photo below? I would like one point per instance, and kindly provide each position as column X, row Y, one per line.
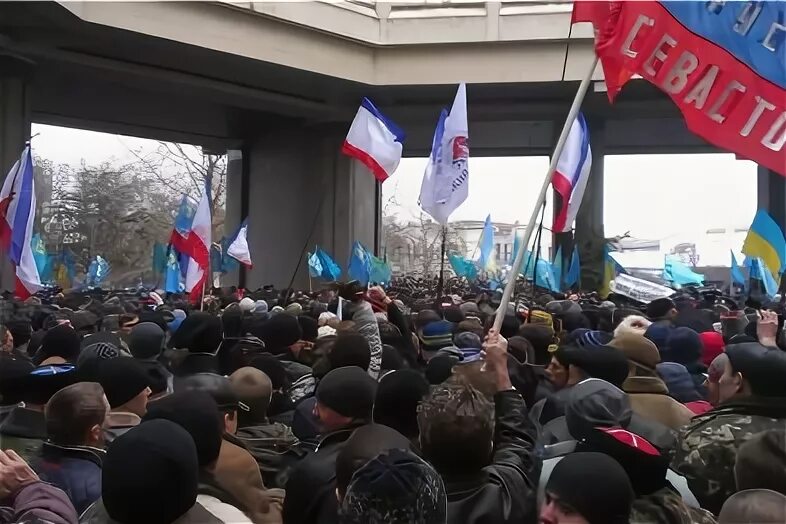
column 674, row 198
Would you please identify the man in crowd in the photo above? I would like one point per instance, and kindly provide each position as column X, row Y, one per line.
column 494, row 481
column 127, row 389
column 72, row 456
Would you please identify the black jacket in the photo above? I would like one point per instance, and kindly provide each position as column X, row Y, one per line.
column 23, row 430
column 275, row 449
column 311, row 488
column 504, row 491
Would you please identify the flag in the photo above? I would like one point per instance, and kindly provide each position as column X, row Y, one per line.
column 570, row 178
column 516, row 244
column 737, row 276
column 446, row 179
column 487, row 255
column 17, row 216
column 173, row 280
column 611, row 268
column 160, row 253
column 238, row 246
column 557, row 268
column 320, row 265
column 374, row 140
column 722, row 63
column 574, row 271
column 463, row 267
column 765, row 240
column 678, row 273
column 43, row 262
column 314, row 265
column 183, row 220
column 760, row 271
column 542, row 272
column 197, row 247
column 359, row 264
column 379, row 270
column 97, row 271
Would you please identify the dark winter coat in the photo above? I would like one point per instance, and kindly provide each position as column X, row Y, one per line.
column 74, row 469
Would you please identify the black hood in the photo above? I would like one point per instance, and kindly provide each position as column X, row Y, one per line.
column 596, row 403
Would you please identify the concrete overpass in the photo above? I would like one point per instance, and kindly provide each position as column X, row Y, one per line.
column 277, row 83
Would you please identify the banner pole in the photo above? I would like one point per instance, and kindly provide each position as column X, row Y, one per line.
column 441, row 283
column 563, row 137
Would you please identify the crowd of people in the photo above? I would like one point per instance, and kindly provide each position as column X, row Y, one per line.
column 355, row 405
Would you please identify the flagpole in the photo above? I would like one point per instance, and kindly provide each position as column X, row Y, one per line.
column 441, row 283
column 563, row 137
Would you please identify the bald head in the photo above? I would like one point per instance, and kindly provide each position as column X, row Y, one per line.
column 754, row 506
column 253, row 388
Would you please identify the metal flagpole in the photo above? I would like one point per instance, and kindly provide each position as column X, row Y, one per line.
column 563, row 137
column 441, row 283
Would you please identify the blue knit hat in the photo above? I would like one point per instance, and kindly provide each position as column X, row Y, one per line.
column 437, row 335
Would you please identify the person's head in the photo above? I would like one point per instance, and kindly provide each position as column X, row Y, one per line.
column 587, row 488
column 76, row 415
column 601, row 362
column 395, row 488
column 126, row 385
column 661, row 309
column 224, row 395
column 685, row 346
column 715, row 371
column 557, row 371
column 350, row 349
column 364, row 444
column 146, row 341
column 641, row 352
column 200, row 332
column 456, row 420
column 274, row 369
column 60, row 342
column 761, row 462
column 91, row 358
column 150, row 474
column 254, row 389
column 345, row 396
column 595, row 403
column 541, row 337
column 396, row 404
column 435, row 336
column 279, row 333
column 754, row 506
column 712, row 346
column 197, row 413
column 753, row 369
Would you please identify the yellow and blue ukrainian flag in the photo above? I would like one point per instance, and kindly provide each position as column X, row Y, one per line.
column 765, row 240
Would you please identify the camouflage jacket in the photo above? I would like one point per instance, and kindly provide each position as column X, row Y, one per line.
column 665, row 506
column 707, row 447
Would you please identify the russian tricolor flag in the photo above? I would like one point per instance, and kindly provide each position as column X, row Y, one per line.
column 238, row 247
column 570, row 178
column 17, row 216
column 374, row 140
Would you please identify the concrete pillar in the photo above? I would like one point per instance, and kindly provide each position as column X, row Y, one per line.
column 772, row 195
column 590, row 236
column 304, row 192
column 14, row 129
column 236, row 205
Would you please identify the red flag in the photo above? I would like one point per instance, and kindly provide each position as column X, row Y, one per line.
column 729, row 88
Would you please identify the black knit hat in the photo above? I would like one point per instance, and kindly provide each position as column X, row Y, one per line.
column 122, row 378
column 146, row 340
column 200, row 333
column 60, row 341
column 364, row 444
column 395, row 487
column 278, row 333
column 398, row 396
column 601, row 362
column 659, row 308
column 150, row 474
column 309, row 327
column 594, row 485
column 273, row 368
column 197, row 413
column 217, row 386
column 349, row 391
column 350, row 349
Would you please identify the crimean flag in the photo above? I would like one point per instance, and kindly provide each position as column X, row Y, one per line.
column 765, row 240
column 374, row 140
column 722, row 63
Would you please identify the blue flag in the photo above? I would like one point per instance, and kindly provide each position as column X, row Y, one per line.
column 463, row 267
column 737, row 277
column 760, row 271
column 43, row 261
column 185, row 215
column 172, row 282
column 97, row 271
column 516, row 243
column 574, row 271
column 677, row 272
column 541, row 272
column 557, row 267
column 320, row 265
column 359, row 267
column 379, row 270
column 487, row 261
column 159, row 258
